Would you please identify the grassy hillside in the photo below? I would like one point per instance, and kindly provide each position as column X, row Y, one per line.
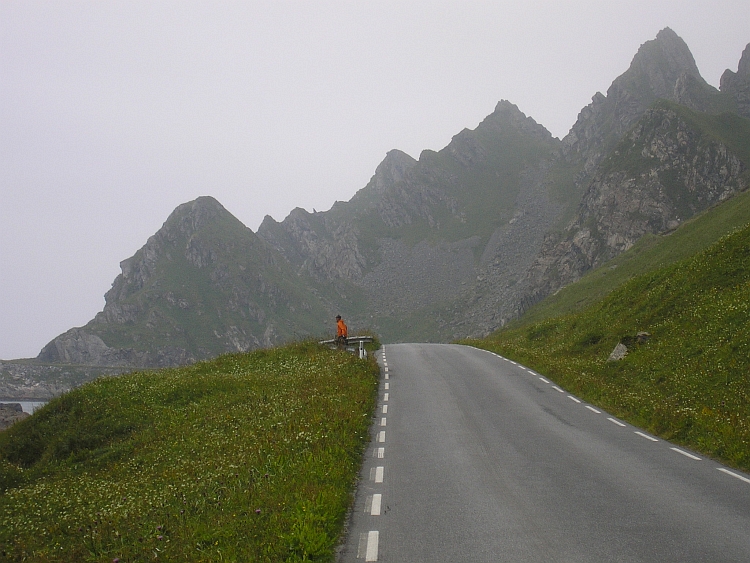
column 690, row 382
column 250, row 457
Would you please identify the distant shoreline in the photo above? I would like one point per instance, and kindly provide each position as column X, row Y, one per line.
column 28, row 405
column 25, row 400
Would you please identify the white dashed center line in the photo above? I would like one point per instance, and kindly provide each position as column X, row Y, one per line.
column 382, row 421
column 381, row 436
column 385, row 409
column 375, row 508
column 371, row 554
column 379, row 474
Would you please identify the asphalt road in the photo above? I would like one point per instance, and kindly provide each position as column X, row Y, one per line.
column 475, row 458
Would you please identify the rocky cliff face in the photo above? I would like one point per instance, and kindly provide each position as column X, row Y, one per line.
column 497, row 294
column 642, row 170
column 664, row 171
column 321, row 247
column 636, row 171
column 413, row 236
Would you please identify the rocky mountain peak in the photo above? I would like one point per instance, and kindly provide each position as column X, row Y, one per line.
column 194, row 215
column 392, row 170
column 468, row 146
column 737, row 84
column 662, row 68
column 661, row 62
column 743, row 69
column 183, row 223
column 507, row 115
column 729, row 78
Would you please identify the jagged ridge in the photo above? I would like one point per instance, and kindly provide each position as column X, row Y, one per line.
column 452, row 244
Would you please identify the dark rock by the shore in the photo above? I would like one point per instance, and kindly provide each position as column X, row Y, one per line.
column 10, row 414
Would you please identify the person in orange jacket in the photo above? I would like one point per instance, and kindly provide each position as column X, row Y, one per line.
column 342, row 333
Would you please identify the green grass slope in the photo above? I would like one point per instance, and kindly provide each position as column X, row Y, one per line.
column 249, row 457
column 690, row 382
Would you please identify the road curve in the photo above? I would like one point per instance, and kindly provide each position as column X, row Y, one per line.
column 475, row 458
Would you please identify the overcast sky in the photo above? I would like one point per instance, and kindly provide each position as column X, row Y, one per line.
column 114, row 113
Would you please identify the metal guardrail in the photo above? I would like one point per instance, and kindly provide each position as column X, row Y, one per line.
column 359, row 339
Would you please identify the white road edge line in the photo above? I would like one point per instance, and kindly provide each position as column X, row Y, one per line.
column 686, row 454
column 556, row 388
column 372, row 546
column 381, row 436
column 379, row 474
column 642, row 435
column 387, row 386
column 617, row 422
column 385, row 396
column 544, row 380
column 733, row 474
column 572, row 398
column 381, row 453
column 385, row 409
column 592, row 409
column 382, row 421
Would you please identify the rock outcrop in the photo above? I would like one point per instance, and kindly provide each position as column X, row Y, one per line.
column 737, row 84
column 664, row 171
column 10, row 413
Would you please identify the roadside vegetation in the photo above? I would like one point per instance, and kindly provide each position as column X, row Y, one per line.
column 689, row 382
column 249, row 457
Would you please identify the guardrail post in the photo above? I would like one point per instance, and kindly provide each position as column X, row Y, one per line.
column 359, row 339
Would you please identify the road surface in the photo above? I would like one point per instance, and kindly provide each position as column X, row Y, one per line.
column 475, row 458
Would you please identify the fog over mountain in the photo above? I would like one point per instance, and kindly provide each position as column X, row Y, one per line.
column 455, row 243
column 114, row 114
